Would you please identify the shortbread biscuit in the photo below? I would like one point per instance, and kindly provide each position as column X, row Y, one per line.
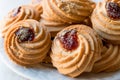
column 75, row 49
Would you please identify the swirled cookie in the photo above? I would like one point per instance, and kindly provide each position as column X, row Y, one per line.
column 57, row 14
column 27, row 42
column 21, row 13
column 110, row 60
column 106, row 20
column 75, row 49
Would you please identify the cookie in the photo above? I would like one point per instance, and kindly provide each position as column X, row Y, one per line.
column 27, row 42
column 62, row 13
column 105, row 20
column 75, row 49
column 110, row 60
column 21, row 13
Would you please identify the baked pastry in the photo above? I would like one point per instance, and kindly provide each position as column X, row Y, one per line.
column 106, row 20
column 110, row 60
column 75, row 49
column 57, row 14
column 27, row 42
column 17, row 14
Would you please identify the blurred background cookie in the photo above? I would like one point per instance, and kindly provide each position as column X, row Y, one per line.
column 21, row 13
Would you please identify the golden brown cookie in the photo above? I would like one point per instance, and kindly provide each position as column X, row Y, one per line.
column 27, row 42
column 75, row 49
column 110, row 60
column 21, row 13
column 106, row 20
column 57, row 14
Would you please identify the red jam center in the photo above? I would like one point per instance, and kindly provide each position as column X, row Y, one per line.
column 16, row 12
column 113, row 10
column 25, row 34
column 69, row 39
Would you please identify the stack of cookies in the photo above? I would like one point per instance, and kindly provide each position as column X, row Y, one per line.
column 76, row 36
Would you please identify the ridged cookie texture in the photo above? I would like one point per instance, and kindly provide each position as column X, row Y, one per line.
column 27, row 42
column 21, row 13
column 57, row 14
column 110, row 60
column 106, row 20
column 75, row 49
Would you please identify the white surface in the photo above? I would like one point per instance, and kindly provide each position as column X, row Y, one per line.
column 41, row 72
column 7, row 74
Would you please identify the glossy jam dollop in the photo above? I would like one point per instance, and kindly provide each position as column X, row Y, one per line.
column 69, row 39
column 25, row 34
column 113, row 10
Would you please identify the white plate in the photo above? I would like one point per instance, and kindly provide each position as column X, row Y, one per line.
column 43, row 72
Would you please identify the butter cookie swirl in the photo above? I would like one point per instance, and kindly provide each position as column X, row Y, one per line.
column 21, row 13
column 57, row 14
column 27, row 42
column 75, row 49
column 110, row 60
column 106, row 20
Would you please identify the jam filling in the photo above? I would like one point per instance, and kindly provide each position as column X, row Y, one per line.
column 69, row 39
column 16, row 11
column 25, row 34
column 113, row 10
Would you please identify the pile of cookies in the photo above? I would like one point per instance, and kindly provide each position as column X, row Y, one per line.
column 76, row 36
